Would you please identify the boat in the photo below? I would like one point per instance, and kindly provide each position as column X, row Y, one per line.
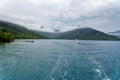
column 31, row 41
column 77, row 41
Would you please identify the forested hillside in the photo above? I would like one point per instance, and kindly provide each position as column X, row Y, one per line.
column 6, row 36
column 20, row 32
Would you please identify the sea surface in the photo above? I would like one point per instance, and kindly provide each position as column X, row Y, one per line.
column 60, row 60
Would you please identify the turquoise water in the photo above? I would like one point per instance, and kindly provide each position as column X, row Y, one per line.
column 60, row 60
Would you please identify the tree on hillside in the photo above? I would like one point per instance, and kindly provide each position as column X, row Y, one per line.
column 5, row 36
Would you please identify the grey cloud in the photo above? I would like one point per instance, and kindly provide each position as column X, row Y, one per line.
column 103, row 15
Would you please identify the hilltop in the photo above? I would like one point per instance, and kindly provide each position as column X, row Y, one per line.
column 20, row 32
column 81, row 33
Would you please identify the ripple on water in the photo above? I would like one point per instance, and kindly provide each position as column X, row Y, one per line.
column 60, row 60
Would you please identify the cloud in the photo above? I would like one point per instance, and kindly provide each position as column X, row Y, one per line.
column 57, row 14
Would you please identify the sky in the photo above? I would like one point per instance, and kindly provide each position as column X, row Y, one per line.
column 103, row 15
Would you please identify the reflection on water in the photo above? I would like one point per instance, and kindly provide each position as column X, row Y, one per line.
column 60, row 60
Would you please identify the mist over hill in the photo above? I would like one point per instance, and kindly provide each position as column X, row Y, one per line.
column 115, row 33
column 21, row 32
column 81, row 33
column 86, row 34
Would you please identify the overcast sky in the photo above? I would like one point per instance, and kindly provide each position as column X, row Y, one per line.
column 103, row 15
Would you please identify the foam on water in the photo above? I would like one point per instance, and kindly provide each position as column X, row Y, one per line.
column 106, row 79
column 99, row 70
column 52, row 78
column 65, row 73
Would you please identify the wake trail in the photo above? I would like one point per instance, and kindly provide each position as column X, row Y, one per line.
column 100, row 71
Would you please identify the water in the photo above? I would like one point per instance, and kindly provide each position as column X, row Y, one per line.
column 60, row 60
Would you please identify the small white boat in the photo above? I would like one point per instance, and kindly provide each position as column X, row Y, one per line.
column 77, row 41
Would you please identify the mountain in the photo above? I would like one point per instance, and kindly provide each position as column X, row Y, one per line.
column 115, row 33
column 20, row 32
column 81, row 33
column 50, row 35
column 87, row 34
column 42, row 33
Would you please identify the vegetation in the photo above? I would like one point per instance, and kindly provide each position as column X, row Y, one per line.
column 87, row 34
column 6, row 36
column 9, row 30
column 20, row 32
column 81, row 33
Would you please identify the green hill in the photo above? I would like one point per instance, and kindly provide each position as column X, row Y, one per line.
column 86, row 34
column 81, row 33
column 20, row 32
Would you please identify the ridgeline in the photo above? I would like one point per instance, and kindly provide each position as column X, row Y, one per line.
column 80, row 33
column 10, row 31
column 19, row 32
